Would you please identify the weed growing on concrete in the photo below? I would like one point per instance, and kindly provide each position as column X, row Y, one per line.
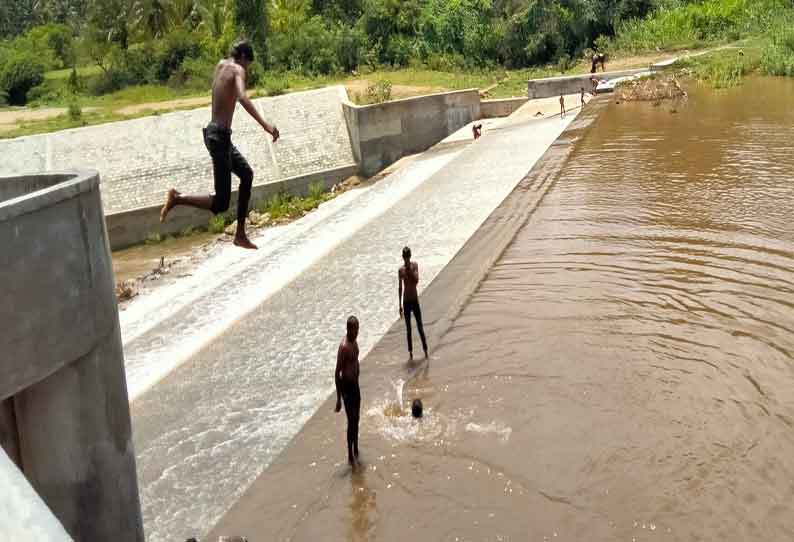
column 283, row 206
column 154, row 238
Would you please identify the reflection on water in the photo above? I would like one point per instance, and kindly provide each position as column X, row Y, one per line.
column 645, row 316
column 363, row 508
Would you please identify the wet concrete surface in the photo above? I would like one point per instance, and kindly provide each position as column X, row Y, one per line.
column 623, row 372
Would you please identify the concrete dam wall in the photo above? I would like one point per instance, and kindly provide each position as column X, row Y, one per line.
column 383, row 133
column 140, row 159
column 64, row 411
column 324, row 138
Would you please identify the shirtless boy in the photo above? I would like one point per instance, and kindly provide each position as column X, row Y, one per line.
column 228, row 88
column 347, row 390
column 408, row 276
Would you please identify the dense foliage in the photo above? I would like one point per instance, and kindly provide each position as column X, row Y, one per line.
column 178, row 41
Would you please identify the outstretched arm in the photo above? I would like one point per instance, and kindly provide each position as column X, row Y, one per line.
column 248, row 105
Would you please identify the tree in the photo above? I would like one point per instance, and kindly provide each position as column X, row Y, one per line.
column 110, row 21
column 17, row 17
column 251, row 19
column 151, row 18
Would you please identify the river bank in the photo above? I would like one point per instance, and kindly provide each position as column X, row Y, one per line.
column 622, row 371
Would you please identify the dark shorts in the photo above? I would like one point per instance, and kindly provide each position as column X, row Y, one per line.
column 226, row 159
column 351, row 396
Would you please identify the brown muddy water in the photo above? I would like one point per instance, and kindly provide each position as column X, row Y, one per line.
column 625, row 371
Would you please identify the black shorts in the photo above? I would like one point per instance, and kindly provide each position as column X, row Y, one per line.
column 226, row 159
column 351, row 395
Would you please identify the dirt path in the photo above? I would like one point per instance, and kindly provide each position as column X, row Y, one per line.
column 359, row 86
column 180, row 103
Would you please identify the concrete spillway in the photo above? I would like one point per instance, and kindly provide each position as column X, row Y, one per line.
column 263, row 334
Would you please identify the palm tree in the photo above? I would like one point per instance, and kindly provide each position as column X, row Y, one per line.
column 213, row 14
column 151, row 17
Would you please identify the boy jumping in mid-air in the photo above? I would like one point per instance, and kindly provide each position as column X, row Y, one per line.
column 347, row 390
column 228, row 88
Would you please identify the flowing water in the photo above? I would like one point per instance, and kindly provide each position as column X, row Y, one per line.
column 226, row 366
column 631, row 356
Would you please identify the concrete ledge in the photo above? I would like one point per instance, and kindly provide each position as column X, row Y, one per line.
column 54, row 272
column 571, row 84
column 127, row 228
column 381, row 134
column 64, row 409
column 28, row 193
column 500, row 108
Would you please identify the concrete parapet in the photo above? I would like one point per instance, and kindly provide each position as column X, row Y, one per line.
column 381, row 134
column 571, row 84
column 64, row 411
column 505, row 107
column 126, row 228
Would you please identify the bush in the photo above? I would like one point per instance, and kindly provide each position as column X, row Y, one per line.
column 309, row 48
column 59, row 39
column 20, row 73
column 172, row 51
column 3, row 97
column 777, row 57
column 276, row 84
column 75, row 111
column 316, row 190
column 692, row 24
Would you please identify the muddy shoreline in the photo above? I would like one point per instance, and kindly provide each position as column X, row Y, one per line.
column 317, row 497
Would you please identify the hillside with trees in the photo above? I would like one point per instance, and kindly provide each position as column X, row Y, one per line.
column 102, row 46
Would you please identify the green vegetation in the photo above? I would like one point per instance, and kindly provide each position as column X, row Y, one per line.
column 285, row 206
column 108, row 53
column 680, row 25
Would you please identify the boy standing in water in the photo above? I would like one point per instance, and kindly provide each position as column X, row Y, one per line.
column 347, row 390
column 408, row 275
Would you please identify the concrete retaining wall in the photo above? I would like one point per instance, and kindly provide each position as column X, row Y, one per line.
column 490, row 109
column 381, row 134
column 64, row 411
column 127, row 228
column 572, row 84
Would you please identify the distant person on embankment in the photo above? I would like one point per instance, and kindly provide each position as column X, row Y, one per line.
column 228, row 88
column 408, row 299
column 562, row 107
column 347, row 390
column 599, row 58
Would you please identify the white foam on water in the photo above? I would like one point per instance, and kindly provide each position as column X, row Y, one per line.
column 492, row 428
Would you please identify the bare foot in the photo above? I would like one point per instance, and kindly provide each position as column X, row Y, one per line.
column 410, row 356
column 242, row 241
column 427, row 356
column 170, row 201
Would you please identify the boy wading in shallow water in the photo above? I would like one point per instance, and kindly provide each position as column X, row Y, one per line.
column 347, row 390
column 228, row 87
column 408, row 275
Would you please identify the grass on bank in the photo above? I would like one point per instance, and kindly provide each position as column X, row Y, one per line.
column 281, row 207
